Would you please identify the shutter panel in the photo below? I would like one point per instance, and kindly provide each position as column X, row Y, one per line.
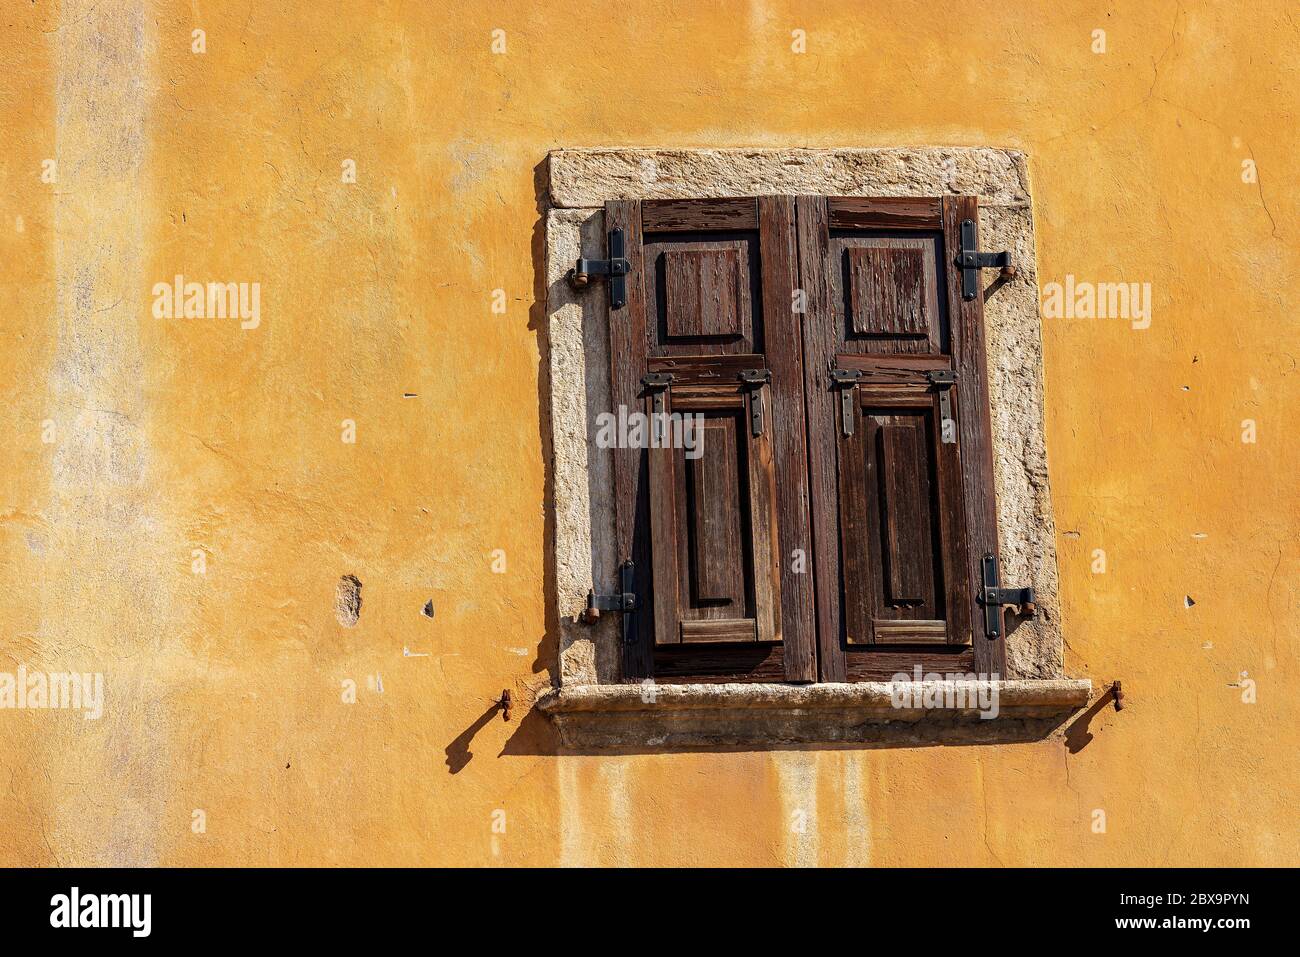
column 708, row 318
column 902, row 504
column 902, row 534
column 716, row 570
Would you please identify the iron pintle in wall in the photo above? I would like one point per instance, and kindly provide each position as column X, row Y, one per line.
column 993, row 597
column 614, row 269
column 970, row 261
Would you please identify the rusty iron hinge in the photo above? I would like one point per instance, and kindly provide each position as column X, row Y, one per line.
column 846, row 380
column 993, row 597
column 970, row 261
column 754, row 380
column 657, row 384
column 614, row 269
column 943, row 380
column 625, row 601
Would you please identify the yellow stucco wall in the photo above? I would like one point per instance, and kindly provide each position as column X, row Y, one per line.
column 131, row 441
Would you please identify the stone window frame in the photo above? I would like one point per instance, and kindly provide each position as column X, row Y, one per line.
column 576, row 364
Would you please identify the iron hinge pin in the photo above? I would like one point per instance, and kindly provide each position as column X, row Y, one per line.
column 943, row 380
column 615, row 269
column 993, row 597
column 846, row 380
column 970, row 261
column 624, row 601
column 754, row 380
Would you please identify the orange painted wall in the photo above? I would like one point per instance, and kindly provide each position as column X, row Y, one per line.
column 132, row 441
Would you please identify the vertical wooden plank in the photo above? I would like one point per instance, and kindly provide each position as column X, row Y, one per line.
column 905, row 512
column 952, row 524
column 783, row 345
column 813, row 231
column 974, row 427
column 663, row 531
column 764, row 524
column 682, row 299
column 627, row 349
column 857, row 474
column 717, row 565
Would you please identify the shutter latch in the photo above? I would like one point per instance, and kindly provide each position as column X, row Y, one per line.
column 970, row 260
column 845, row 380
column 624, row 602
column 754, row 380
column 993, row 597
column 943, row 380
column 615, row 269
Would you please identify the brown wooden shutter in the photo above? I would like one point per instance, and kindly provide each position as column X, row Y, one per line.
column 708, row 319
column 902, row 504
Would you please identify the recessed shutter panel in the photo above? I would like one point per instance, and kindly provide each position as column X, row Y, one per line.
column 708, row 349
column 902, row 534
column 898, row 424
column 716, row 572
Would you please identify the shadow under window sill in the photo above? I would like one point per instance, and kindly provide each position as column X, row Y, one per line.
column 647, row 718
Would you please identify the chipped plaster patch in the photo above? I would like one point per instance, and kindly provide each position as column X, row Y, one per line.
column 347, row 601
column 580, row 181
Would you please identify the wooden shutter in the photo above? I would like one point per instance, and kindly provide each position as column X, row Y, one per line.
column 902, row 527
column 708, row 316
column 902, row 504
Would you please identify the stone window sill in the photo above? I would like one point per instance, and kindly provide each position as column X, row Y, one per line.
column 674, row 716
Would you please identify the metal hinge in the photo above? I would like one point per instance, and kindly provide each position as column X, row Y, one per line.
column 624, row 601
column 754, row 380
column 845, row 380
column 993, row 598
column 970, row 261
column 615, row 269
column 943, row 380
column 657, row 383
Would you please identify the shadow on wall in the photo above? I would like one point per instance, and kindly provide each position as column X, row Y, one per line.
column 537, row 736
column 534, row 736
column 1078, row 735
column 548, row 649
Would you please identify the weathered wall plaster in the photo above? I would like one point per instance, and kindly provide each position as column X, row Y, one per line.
column 413, row 303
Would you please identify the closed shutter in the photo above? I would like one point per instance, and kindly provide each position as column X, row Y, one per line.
column 902, row 526
column 708, row 330
column 898, row 432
